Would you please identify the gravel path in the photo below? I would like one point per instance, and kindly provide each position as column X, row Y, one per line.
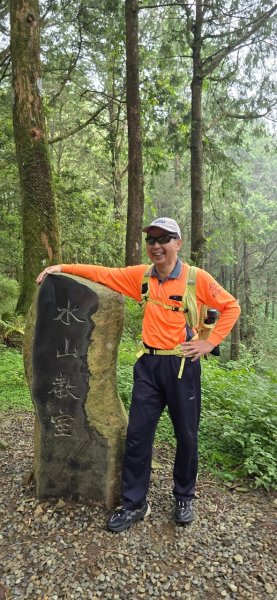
column 60, row 550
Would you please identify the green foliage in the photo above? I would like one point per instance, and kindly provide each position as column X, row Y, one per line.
column 265, row 344
column 261, row 356
column 10, row 229
column 9, row 289
column 12, row 330
column 126, row 360
column 133, row 319
column 14, row 392
column 239, row 418
column 90, row 234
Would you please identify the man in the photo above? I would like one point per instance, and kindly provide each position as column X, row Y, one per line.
column 158, row 380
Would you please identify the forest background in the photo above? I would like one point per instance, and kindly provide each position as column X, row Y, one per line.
column 147, row 110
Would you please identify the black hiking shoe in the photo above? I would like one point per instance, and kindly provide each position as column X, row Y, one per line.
column 122, row 518
column 183, row 511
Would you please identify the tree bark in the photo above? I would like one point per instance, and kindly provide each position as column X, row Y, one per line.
column 266, row 308
column 230, row 279
column 223, row 276
column 135, row 165
column 235, row 334
column 39, row 221
column 249, row 317
column 177, row 171
column 114, row 143
column 197, row 219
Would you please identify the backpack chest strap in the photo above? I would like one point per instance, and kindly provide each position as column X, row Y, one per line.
column 188, row 306
column 167, row 306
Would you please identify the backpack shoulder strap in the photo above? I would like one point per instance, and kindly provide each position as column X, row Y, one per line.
column 189, row 304
column 189, row 297
column 145, row 286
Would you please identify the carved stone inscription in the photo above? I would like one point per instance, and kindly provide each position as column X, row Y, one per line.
column 73, row 455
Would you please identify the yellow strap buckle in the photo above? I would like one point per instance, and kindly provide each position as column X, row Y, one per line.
column 177, row 351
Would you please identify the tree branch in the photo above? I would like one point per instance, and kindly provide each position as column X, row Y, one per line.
column 266, row 259
column 66, row 135
column 164, row 5
column 71, row 67
column 246, row 116
column 210, row 64
column 4, row 55
column 4, row 10
column 8, row 62
column 115, row 99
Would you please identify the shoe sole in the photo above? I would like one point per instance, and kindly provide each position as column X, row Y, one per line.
column 135, row 520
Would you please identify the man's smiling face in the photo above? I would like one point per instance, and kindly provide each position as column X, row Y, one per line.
column 160, row 254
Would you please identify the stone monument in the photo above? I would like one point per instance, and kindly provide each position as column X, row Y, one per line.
column 70, row 353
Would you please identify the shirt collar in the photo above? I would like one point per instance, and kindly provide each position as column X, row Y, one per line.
column 175, row 273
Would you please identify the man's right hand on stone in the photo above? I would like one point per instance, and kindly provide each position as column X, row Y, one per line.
column 48, row 271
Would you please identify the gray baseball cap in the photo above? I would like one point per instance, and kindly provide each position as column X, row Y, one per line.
column 165, row 223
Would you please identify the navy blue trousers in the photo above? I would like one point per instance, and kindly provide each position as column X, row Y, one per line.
column 156, row 385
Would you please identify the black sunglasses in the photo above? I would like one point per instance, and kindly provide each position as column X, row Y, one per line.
column 161, row 239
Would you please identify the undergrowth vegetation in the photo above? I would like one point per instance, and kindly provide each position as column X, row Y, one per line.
column 239, row 418
column 14, row 392
column 239, row 415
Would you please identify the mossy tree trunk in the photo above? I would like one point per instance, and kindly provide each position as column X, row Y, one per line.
column 135, row 164
column 39, row 220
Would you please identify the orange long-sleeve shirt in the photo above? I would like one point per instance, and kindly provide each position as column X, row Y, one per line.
column 163, row 328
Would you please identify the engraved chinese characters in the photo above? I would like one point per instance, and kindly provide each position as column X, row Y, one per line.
column 81, row 424
column 61, row 375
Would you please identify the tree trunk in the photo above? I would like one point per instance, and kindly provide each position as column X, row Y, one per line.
column 223, row 276
column 114, row 144
column 177, row 171
column 235, row 342
column 267, row 300
column 39, row 221
column 135, row 167
column 230, row 277
column 249, row 317
column 235, row 334
column 114, row 147
column 197, row 219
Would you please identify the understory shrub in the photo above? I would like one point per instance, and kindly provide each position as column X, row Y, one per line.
column 8, row 295
column 14, row 391
column 239, row 418
column 239, row 415
column 239, row 423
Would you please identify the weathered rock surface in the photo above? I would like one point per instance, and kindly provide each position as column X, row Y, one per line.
column 70, row 352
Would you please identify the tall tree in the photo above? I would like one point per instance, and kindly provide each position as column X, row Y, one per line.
column 39, row 221
column 135, row 164
column 222, row 30
column 196, row 169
